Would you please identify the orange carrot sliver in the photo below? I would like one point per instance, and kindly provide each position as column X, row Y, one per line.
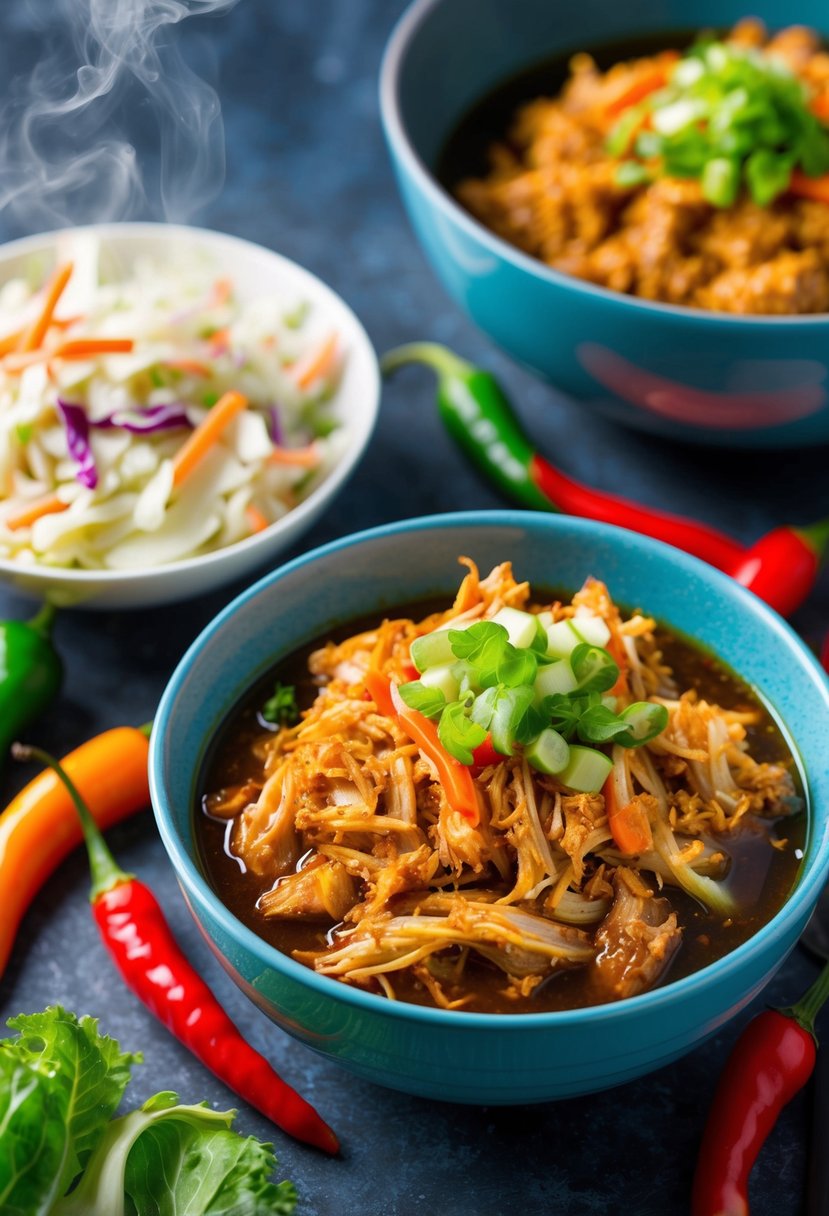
column 222, row 291
column 85, row 348
column 640, row 89
column 456, row 779
column 303, row 458
column 628, row 824
column 317, row 363
column 34, row 335
column 379, row 690
column 190, row 366
column 50, row 504
column 201, row 440
column 816, row 188
column 257, row 520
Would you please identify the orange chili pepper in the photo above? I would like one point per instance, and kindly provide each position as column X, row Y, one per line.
column 40, row 825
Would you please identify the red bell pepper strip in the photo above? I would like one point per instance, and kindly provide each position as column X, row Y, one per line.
column 141, row 944
column 772, row 1059
column 485, row 754
column 780, row 568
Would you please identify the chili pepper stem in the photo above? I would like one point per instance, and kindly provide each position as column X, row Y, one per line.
column 806, row 1009
column 445, row 362
column 145, row 729
column 42, row 622
column 816, row 536
column 106, row 873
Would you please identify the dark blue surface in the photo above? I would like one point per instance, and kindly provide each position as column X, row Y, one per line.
column 308, row 175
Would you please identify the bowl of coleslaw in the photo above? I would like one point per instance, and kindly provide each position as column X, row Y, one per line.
column 176, row 407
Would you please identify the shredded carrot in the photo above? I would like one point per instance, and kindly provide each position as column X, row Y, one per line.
column 628, row 824
column 220, row 339
column 616, row 649
column 34, row 335
column 257, row 520
column 17, row 361
column 201, row 440
column 820, row 105
column 641, row 88
column 303, row 458
column 455, row 778
column 317, row 363
column 85, row 348
column 192, row 367
column 222, row 291
column 11, row 342
column 816, row 188
column 380, row 691
column 50, row 504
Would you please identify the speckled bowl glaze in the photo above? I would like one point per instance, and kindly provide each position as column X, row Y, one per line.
column 468, row 1057
column 255, row 272
column 702, row 376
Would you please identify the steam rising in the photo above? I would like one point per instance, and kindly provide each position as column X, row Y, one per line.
column 111, row 70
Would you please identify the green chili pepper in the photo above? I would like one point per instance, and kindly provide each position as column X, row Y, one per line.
column 30, row 673
column 480, row 419
column 781, row 567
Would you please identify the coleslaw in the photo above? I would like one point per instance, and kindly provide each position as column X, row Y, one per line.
column 153, row 416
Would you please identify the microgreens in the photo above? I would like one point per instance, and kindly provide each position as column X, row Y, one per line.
column 281, row 708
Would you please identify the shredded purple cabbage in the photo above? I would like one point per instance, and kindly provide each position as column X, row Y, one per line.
column 77, row 438
column 146, row 419
column 276, row 432
column 143, row 420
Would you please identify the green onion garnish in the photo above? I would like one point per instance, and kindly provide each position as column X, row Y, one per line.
column 475, row 682
column 729, row 115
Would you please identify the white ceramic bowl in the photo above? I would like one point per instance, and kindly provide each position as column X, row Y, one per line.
column 255, row 272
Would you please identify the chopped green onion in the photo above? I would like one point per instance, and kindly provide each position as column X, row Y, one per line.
column 586, row 770
column 549, row 753
column 731, row 116
column 594, row 669
column 721, row 181
column 644, row 721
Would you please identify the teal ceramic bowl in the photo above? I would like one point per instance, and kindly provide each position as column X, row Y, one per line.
column 433, row 1052
column 701, row 376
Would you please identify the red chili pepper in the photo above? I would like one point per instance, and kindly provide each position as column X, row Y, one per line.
column 824, row 653
column 772, row 1059
column 142, row 946
column 781, row 568
column 576, row 499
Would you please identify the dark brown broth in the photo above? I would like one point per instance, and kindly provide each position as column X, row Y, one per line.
column 766, row 874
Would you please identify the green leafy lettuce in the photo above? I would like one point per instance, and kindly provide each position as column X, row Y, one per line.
column 63, row 1154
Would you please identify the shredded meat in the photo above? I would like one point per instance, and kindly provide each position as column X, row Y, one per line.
column 552, row 191
column 636, row 941
column 403, row 881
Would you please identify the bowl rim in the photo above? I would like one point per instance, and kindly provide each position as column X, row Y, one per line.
column 394, row 56
column 191, row 878
column 37, row 572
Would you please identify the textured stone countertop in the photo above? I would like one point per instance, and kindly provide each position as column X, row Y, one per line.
column 308, row 175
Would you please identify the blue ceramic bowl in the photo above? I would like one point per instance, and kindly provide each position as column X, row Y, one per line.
column 708, row 377
column 433, row 1052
